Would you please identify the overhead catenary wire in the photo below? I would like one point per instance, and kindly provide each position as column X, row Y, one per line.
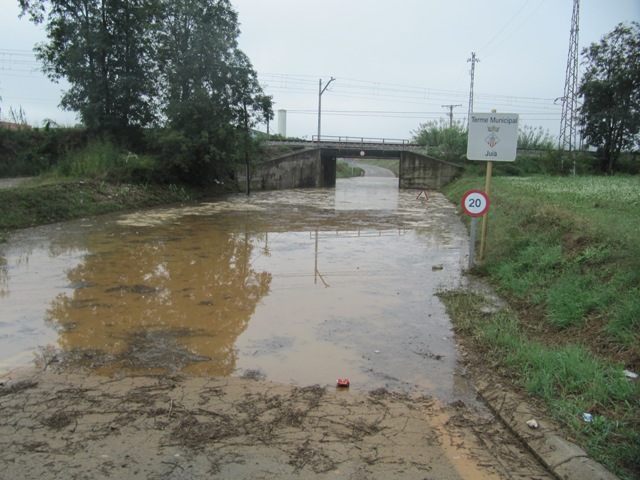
column 355, row 92
column 305, row 84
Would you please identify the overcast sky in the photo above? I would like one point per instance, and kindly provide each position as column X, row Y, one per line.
column 395, row 63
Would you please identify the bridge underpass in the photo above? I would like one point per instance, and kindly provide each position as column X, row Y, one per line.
column 313, row 163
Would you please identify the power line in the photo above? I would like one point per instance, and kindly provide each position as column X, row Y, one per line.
column 516, row 29
column 505, row 26
column 451, row 107
column 380, row 90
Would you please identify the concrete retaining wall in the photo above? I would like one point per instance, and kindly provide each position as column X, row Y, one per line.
column 421, row 171
column 304, row 169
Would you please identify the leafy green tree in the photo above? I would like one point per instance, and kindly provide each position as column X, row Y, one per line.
column 135, row 63
column 211, row 94
column 105, row 50
column 610, row 87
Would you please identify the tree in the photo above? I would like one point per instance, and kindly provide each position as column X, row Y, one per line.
column 211, row 94
column 105, row 50
column 134, row 63
column 610, row 87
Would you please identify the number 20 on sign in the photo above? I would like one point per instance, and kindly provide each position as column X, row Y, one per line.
column 475, row 203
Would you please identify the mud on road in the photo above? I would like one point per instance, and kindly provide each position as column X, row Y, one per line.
column 61, row 422
column 64, row 425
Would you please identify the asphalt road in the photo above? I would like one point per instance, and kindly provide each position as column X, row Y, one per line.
column 374, row 171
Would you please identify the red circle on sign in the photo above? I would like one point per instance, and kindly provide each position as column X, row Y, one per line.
column 475, row 203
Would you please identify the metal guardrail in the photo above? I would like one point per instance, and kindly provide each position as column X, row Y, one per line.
column 352, row 142
column 361, row 140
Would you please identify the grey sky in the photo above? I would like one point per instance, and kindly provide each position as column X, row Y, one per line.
column 395, row 63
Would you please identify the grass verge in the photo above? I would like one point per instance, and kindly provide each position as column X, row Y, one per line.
column 563, row 253
column 48, row 200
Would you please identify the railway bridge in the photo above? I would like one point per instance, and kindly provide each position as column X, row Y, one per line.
column 312, row 163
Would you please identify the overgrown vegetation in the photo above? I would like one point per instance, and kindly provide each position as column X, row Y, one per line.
column 164, row 157
column 537, row 152
column 54, row 199
column 159, row 78
column 564, row 253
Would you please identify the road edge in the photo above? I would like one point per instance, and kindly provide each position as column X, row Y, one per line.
column 564, row 459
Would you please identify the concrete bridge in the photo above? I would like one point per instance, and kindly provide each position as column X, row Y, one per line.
column 313, row 163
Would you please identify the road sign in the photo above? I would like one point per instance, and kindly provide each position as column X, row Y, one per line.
column 492, row 137
column 475, row 203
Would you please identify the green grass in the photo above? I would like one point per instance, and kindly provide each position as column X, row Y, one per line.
column 102, row 160
column 568, row 244
column 568, row 379
column 564, row 252
column 53, row 199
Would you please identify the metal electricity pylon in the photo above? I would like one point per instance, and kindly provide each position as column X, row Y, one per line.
column 473, row 61
column 568, row 121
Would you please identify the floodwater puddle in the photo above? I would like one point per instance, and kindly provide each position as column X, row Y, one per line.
column 300, row 286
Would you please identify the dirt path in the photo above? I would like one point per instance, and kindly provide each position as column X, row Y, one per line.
column 55, row 425
column 12, row 182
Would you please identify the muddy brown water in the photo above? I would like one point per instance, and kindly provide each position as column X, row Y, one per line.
column 301, row 287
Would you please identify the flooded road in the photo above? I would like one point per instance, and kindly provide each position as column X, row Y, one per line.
column 301, row 287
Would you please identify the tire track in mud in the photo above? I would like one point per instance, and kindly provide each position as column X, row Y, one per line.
column 54, row 426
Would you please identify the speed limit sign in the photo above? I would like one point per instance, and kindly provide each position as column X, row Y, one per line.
column 475, row 203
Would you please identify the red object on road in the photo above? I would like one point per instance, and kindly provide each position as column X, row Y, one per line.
column 343, row 382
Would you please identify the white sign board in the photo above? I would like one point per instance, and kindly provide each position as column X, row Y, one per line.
column 493, row 136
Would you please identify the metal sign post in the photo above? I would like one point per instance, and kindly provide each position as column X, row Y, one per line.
column 475, row 203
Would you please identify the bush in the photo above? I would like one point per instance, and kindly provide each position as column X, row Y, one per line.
column 30, row 152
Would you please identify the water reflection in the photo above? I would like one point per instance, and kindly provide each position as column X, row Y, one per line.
column 304, row 286
column 161, row 299
column 4, row 278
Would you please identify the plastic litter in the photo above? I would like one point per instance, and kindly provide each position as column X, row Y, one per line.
column 532, row 423
column 629, row 374
column 343, row 383
column 587, row 417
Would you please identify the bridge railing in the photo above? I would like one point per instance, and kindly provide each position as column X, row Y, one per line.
column 363, row 141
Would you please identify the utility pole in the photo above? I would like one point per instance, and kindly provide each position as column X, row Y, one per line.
column 320, row 92
column 568, row 120
column 473, row 61
column 450, row 107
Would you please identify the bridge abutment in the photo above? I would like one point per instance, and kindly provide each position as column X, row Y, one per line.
column 424, row 172
column 316, row 168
